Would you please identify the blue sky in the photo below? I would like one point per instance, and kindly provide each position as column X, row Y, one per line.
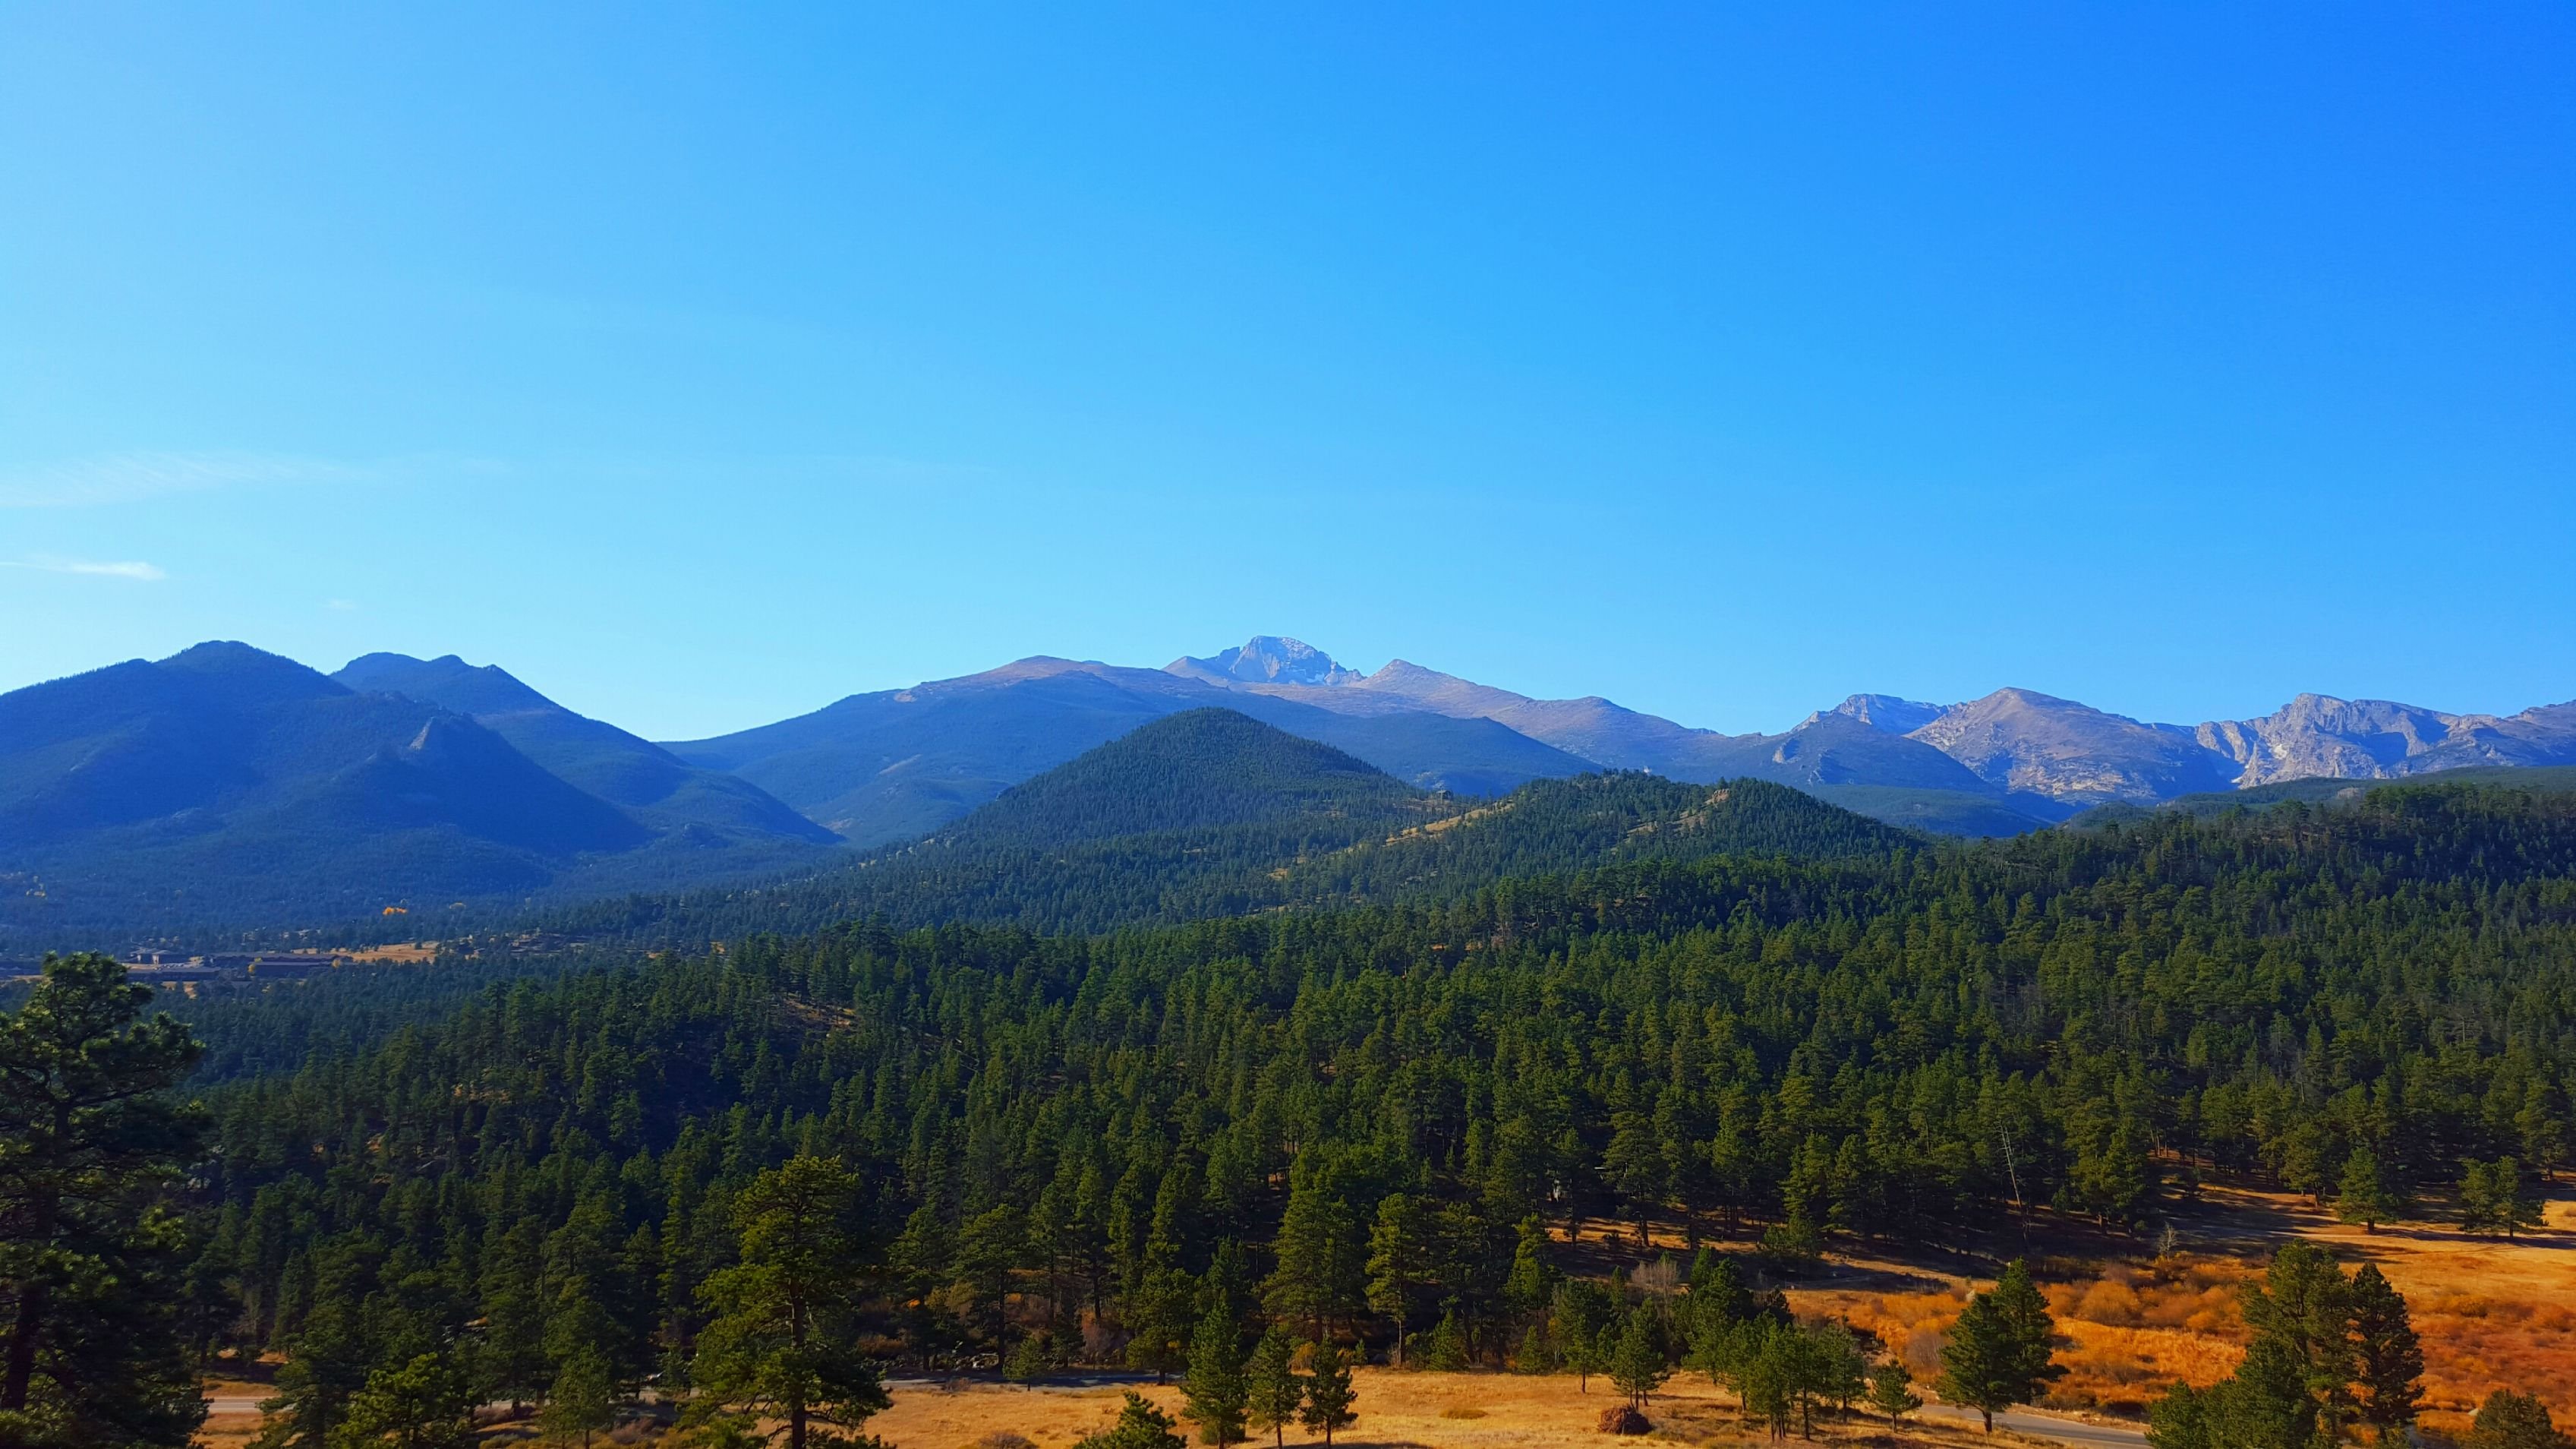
column 702, row 365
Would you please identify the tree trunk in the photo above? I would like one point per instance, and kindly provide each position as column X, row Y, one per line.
column 22, row 1348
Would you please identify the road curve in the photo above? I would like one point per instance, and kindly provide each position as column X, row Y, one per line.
column 2045, row 1426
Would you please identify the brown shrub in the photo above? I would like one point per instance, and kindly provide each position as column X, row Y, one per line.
column 2110, row 1302
column 1620, row 1419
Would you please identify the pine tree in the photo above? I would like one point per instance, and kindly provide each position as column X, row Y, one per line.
column 1891, row 1392
column 2508, row 1420
column 330, row 1352
column 1448, row 1347
column 2268, row 1402
column 1213, row 1389
column 1758, row 1360
column 1140, row 1426
column 2391, row 1361
column 1999, row 1352
column 1158, row 1320
column 2515, row 1206
column 1638, row 1366
column 1841, row 1369
column 1328, row 1393
column 90, row 1255
column 583, row 1398
column 2362, row 1196
column 2179, row 1420
column 1398, row 1262
column 1321, row 1249
column 1273, row 1391
column 2305, row 1304
column 987, row 1246
column 782, row 1344
column 424, row 1403
column 510, row 1354
column 1581, row 1317
column 2495, row 1199
column 1532, row 1282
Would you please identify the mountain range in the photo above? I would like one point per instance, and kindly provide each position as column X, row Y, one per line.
column 224, row 782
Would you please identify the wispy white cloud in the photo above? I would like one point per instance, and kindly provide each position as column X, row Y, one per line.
column 133, row 569
column 126, row 477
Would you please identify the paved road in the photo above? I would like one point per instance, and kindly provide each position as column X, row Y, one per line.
column 2045, row 1426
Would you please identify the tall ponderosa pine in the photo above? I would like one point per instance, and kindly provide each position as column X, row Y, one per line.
column 783, row 1342
column 90, row 1255
column 1321, row 1249
column 1999, row 1352
column 2304, row 1303
column 1399, row 1261
column 2390, row 1376
column 583, row 1398
column 1582, row 1315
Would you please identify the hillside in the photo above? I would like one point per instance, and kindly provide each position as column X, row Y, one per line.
column 897, row 764
column 596, row 757
column 1210, row 814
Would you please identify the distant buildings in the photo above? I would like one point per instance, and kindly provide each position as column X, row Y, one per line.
column 173, row 969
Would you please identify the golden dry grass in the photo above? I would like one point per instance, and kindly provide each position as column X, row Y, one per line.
column 2490, row 1313
column 1431, row 1411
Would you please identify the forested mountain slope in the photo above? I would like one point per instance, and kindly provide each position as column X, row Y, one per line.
column 1882, row 1044
column 1210, row 813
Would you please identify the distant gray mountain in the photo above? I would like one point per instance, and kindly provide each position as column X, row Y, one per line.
column 1886, row 712
column 2020, row 739
column 898, row 763
column 2010, row 760
column 2023, row 740
column 1267, row 659
column 1842, row 759
column 2316, row 736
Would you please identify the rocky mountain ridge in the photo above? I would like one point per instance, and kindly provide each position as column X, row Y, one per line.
column 2031, row 751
